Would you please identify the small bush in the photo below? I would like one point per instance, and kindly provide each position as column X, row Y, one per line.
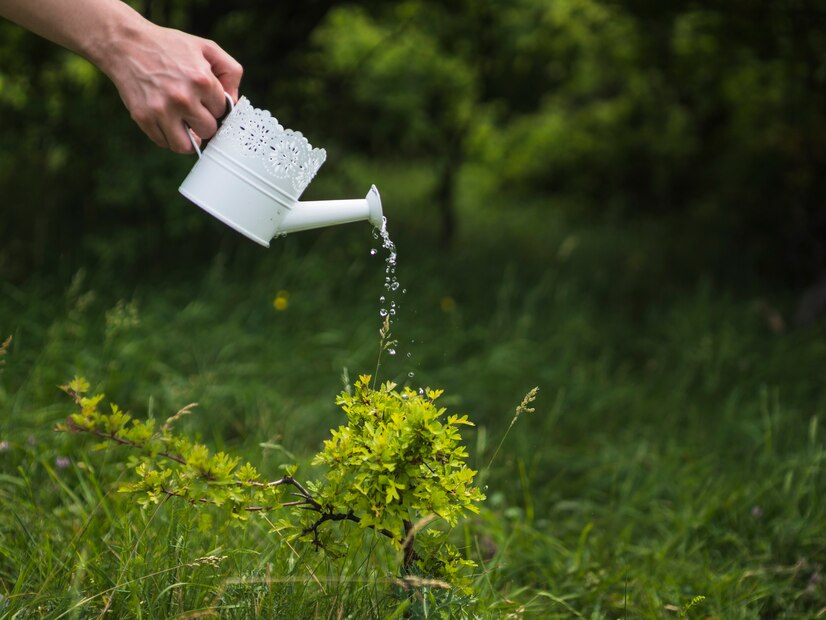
column 398, row 466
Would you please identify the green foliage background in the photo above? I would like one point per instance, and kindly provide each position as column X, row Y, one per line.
column 708, row 115
column 617, row 201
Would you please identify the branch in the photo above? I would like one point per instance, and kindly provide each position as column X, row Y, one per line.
column 302, row 492
column 306, row 496
column 120, row 440
column 338, row 516
column 204, row 500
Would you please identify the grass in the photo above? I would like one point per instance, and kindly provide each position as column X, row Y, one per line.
column 676, row 450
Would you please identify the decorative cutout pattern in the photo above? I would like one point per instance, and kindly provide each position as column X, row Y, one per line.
column 286, row 154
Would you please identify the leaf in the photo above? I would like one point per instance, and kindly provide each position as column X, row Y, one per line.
column 434, row 394
column 457, row 420
column 76, row 386
column 247, row 473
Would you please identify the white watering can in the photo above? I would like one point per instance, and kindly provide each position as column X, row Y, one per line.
column 252, row 173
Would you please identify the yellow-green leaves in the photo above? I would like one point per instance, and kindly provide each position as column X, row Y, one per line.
column 76, row 387
column 399, row 461
column 247, row 474
column 169, row 465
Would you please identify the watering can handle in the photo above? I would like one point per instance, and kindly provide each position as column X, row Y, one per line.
column 192, row 135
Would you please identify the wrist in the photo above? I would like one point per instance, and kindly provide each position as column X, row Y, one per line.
column 117, row 30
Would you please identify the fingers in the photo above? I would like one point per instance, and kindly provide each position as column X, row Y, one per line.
column 172, row 80
column 166, row 117
column 172, row 138
column 224, row 67
column 194, row 139
column 210, row 92
column 204, row 124
column 206, row 102
column 167, row 128
column 225, row 76
column 177, row 139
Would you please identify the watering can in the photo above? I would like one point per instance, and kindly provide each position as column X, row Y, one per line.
column 252, row 172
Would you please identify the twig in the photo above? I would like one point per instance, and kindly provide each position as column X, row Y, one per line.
column 120, row 440
column 338, row 516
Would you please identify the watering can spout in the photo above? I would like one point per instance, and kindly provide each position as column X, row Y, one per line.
column 318, row 213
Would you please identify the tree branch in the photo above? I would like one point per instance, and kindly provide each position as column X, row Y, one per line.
column 120, row 440
column 338, row 516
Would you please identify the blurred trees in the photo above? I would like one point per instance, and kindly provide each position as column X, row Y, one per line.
column 711, row 115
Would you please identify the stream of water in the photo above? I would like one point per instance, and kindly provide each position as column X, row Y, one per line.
column 387, row 302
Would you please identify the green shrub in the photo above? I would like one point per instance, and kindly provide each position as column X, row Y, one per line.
column 398, row 466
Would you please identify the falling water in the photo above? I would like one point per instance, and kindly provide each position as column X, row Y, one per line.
column 387, row 301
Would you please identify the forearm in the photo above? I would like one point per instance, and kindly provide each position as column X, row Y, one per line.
column 167, row 79
column 92, row 28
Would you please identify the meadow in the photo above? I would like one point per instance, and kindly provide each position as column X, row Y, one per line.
column 673, row 467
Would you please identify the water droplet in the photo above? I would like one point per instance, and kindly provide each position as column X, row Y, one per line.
column 409, row 354
column 391, row 284
column 391, row 351
column 411, row 374
column 373, row 252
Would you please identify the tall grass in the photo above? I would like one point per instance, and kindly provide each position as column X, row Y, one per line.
column 676, row 451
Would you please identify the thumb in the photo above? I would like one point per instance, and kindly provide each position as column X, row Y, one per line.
column 224, row 67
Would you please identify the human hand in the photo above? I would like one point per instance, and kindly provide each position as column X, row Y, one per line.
column 169, row 79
